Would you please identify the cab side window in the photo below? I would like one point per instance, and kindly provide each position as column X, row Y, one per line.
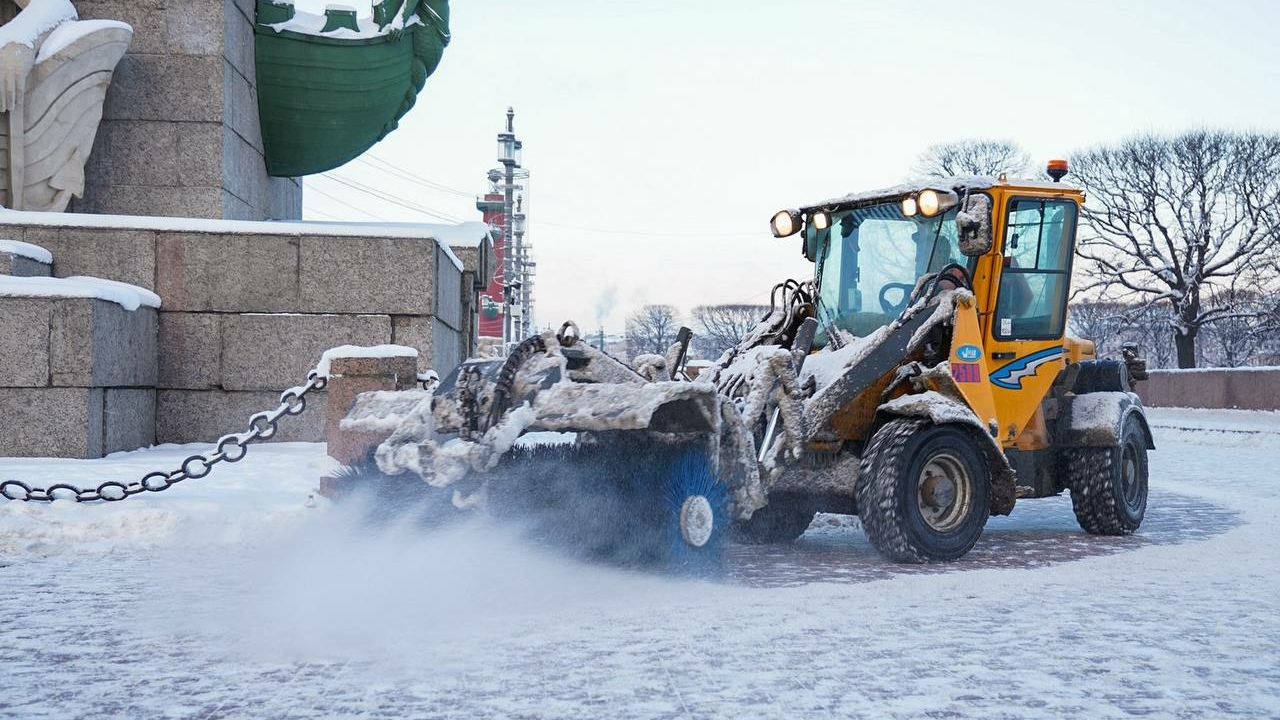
column 1032, row 303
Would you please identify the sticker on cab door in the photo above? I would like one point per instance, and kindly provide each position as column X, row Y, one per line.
column 966, row 372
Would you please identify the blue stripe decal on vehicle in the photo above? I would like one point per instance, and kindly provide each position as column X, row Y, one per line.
column 1010, row 376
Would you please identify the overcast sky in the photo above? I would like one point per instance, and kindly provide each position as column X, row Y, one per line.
column 661, row 135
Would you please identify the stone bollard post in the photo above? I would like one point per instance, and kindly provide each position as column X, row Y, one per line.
column 348, row 377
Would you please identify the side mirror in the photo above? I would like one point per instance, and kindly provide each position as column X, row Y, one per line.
column 812, row 241
column 973, row 223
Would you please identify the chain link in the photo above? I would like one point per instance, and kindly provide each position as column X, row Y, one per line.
column 229, row 448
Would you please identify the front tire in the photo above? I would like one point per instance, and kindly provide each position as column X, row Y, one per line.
column 1109, row 484
column 923, row 491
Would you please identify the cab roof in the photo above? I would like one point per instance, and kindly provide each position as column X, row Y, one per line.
column 959, row 183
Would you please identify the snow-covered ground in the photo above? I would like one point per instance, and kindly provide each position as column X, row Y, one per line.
column 230, row 597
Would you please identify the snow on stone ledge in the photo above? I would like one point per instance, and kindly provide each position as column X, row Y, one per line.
column 38, row 18
column 470, row 234
column 26, row 250
column 465, row 234
column 129, row 297
column 363, row 351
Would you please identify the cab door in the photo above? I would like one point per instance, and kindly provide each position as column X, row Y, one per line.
column 1024, row 333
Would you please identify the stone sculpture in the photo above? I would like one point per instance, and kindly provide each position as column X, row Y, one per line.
column 54, row 74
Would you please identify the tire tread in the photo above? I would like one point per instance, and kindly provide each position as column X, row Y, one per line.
column 1090, row 472
column 876, row 491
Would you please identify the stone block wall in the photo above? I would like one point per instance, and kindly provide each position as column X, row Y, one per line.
column 246, row 311
column 77, row 377
column 180, row 133
column 21, row 266
column 1243, row 388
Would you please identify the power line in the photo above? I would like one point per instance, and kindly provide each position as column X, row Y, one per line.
column 344, row 203
column 325, row 214
column 382, row 165
column 748, row 300
column 414, row 176
column 385, row 197
column 394, row 169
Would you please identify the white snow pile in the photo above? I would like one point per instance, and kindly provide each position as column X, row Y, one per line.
column 933, row 405
column 38, row 18
column 68, row 33
column 383, row 410
column 26, row 250
column 1100, row 409
column 309, row 23
column 546, row 437
column 569, row 406
column 362, row 351
column 1212, row 370
column 464, row 234
column 129, row 297
column 959, row 184
column 828, row 364
column 264, row 492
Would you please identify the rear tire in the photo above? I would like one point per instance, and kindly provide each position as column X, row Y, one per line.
column 923, row 491
column 1109, row 484
column 784, row 519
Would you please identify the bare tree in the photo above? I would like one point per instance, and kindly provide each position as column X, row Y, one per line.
column 1170, row 219
column 1112, row 325
column 1243, row 336
column 720, row 327
column 651, row 329
column 973, row 157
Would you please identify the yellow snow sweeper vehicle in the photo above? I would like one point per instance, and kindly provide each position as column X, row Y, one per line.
column 922, row 379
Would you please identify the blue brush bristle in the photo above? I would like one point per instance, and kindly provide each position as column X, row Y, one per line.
column 691, row 474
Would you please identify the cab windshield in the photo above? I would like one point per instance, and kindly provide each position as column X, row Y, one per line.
column 869, row 260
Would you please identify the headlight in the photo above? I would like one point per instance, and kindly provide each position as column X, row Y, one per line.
column 786, row 223
column 909, row 206
column 933, row 202
column 820, row 219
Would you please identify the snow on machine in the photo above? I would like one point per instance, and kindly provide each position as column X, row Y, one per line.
column 922, row 380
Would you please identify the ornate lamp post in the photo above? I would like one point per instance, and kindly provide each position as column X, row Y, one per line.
column 520, row 262
column 509, row 152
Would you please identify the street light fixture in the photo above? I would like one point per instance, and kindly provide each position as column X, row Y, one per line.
column 507, row 149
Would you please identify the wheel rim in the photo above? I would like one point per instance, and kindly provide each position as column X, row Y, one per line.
column 944, row 492
column 1130, row 476
column 697, row 520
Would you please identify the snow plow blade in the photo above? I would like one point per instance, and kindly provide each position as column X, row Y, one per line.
column 647, row 469
column 668, row 407
column 600, row 394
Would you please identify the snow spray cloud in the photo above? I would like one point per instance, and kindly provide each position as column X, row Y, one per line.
column 342, row 587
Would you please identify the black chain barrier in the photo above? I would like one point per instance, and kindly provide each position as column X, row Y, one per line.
column 229, row 448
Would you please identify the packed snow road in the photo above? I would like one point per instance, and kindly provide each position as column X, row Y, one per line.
column 230, row 598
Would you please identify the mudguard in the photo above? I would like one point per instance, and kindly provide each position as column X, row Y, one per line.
column 1097, row 419
column 940, row 410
